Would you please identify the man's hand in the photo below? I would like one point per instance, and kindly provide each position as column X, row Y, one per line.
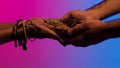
column 84, row 25
column 97, row 32
column 87, row 31
column 76, row 14
column 75, row 18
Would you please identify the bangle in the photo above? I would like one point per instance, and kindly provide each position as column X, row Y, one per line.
column 19, row 33
column 22, row 31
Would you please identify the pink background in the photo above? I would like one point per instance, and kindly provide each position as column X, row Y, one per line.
column 47, row 53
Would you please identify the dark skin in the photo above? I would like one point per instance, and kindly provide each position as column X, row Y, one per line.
column 97, row 31
column 6, row 31
column 90, row 29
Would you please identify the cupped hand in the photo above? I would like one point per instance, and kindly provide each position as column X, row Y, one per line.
column 85, row 30
column 45, row 29
column 74, row 18
column 96, row 33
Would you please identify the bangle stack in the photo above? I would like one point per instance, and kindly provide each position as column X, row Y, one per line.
column 25, row 29
column 21, row 32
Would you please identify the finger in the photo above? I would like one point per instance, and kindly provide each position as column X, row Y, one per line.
column 40, row 23
column 79, row 41
column 78, row 29
column 52, row 33
column 75, row 41
column 48, row 26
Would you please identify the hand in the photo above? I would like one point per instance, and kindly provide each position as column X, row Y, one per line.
column 46, row 29
column 78, row 17
column 96, row 33
column 83, row 33
column 77, row 14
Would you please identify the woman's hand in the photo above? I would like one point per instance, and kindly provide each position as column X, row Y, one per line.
column 46, row 29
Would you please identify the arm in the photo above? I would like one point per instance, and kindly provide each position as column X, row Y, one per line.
column 5, row 25
column 34, row 28
column 97, row 33
column 104, row 9
column 6, row 33
column 113, row 28
column 100, row 11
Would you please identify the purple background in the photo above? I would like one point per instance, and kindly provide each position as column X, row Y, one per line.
column 47, row 53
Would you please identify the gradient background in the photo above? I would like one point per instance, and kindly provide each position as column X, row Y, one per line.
column 47, row 53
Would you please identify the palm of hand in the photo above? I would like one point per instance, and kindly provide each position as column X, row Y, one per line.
column 46, row 29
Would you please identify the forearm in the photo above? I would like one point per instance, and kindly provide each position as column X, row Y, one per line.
column 6, row 33
column 104, row 9
column 113, row 29
column 6, row 25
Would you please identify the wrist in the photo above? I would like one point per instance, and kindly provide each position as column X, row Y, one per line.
column 93, row 14
column 112, row 30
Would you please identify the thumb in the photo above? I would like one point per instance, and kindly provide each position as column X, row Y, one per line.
column 65, row 17
column 47, row 30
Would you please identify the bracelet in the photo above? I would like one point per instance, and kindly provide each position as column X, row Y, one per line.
column 22, row 30
column 25, row 29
